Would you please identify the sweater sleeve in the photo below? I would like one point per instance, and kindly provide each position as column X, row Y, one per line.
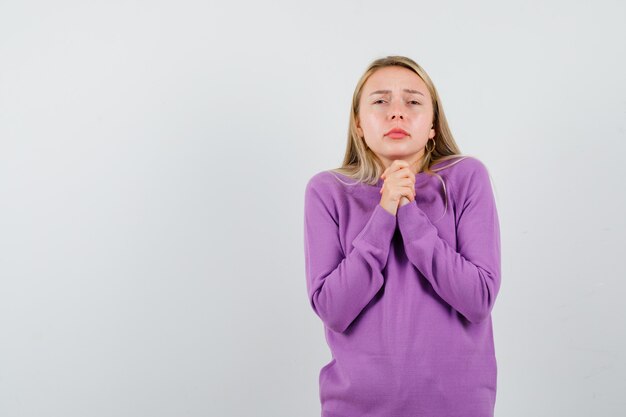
column 468, row 280
column 340, row 286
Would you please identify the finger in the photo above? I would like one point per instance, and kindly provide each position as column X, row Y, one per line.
column 399, row 168
column 397, row 164
column 402, row 172
column 400, row 162
column 394, row 166
column 407, row 182
column 408, row 188
column 386, row 172
column 409, row 193
column 405, row 172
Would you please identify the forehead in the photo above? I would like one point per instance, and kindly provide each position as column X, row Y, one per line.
column 396, row 79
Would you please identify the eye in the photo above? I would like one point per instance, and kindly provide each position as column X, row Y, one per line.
column 414, row 101
column 380, row 99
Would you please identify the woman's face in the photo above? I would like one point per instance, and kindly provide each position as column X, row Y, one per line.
column 396, row 97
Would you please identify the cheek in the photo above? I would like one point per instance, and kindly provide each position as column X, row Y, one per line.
column 371, row 121
column 423, row 120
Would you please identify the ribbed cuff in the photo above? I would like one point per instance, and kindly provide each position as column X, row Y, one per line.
column 379, row 229
column 412, row 221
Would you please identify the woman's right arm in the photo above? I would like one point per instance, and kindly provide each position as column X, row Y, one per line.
column 340, row 286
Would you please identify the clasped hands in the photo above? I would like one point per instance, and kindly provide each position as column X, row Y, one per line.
column 399, row 186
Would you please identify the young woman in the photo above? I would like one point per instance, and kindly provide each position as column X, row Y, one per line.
column 402, row 254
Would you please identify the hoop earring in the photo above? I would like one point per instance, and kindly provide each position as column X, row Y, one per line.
column 434, row 145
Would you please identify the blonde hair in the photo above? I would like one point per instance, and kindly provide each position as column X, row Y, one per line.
column 362, row 164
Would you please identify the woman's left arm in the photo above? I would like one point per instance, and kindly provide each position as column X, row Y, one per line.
column 468, row 280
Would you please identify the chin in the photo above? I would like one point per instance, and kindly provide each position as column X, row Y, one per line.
column 400, row 147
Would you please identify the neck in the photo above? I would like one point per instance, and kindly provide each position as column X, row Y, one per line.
column 414, row 162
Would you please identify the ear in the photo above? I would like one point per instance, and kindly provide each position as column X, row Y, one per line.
column 358, row 129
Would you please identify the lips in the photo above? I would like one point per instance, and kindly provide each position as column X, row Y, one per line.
column 397, row 133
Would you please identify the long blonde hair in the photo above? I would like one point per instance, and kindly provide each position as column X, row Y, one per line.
column 361, row 164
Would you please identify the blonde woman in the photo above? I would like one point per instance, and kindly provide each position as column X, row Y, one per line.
column 402, row 254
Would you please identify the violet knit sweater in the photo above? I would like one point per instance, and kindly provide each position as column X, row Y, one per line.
column 405, row 300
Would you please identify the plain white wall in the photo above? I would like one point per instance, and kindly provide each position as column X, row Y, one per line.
column 153, row 158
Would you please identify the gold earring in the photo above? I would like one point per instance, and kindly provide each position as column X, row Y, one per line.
column 434, row 145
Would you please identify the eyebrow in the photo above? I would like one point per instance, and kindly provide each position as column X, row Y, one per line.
column 408, row 90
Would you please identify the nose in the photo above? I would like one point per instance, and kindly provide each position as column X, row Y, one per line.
column 396, row 112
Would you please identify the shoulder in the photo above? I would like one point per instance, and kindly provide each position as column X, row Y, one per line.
column 463, row 171
column 320, row 184
column 321, row 180
column 329, row 182
column 461, row 165
column 324, row 186
column 469, row 178
column 325, row 195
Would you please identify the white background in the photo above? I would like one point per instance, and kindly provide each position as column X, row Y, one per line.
column 153, row 158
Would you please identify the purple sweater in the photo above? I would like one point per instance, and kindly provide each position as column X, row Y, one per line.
column 405, row 300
